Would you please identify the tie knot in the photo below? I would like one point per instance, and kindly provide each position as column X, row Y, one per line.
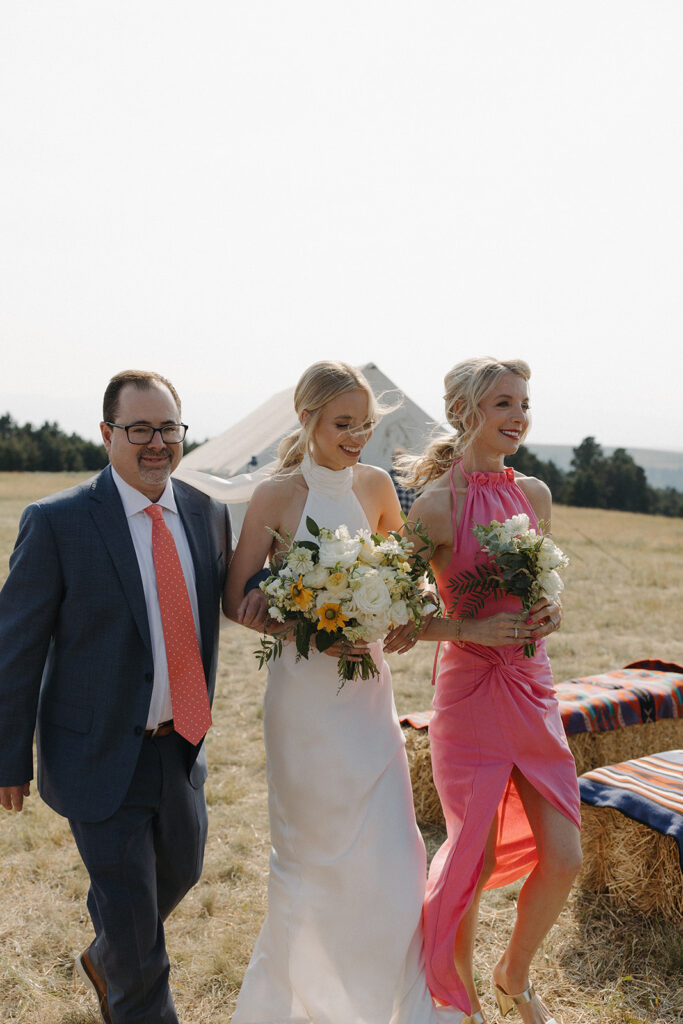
column 154, row 512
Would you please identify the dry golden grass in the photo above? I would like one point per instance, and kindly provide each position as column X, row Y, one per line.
column 625, row 590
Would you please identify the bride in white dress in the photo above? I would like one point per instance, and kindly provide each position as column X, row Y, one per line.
column 342, row 940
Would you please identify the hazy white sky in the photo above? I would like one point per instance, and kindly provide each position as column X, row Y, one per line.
column 227, row 191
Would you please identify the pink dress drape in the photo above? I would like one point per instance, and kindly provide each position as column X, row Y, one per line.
column 493, row 709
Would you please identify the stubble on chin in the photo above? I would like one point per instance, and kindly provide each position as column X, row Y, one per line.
column 155, row 474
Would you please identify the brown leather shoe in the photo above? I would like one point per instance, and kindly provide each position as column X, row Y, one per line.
column 91, row 977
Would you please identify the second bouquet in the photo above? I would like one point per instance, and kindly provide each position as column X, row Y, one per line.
column 343, row 588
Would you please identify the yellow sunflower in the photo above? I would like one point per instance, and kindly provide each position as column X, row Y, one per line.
column 331, row 617
column 301, row 595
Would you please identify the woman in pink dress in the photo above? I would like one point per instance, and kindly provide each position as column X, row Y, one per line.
column 504, row 773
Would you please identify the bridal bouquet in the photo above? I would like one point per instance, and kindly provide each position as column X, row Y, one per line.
column 343, row 588
column 521, row 562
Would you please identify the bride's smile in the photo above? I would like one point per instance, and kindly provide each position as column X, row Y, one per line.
column 342, row 430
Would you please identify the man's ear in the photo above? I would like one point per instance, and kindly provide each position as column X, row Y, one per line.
column 106, row 432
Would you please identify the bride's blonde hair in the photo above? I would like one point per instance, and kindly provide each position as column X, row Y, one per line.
column 467, row 384
column 318, row 385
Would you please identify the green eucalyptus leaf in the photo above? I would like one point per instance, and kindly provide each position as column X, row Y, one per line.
column 312, row 527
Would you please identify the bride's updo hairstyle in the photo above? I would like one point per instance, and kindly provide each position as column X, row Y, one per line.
column 467, row 384
column 318, row 385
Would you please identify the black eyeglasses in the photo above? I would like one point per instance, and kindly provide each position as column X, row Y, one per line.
column 142, row 433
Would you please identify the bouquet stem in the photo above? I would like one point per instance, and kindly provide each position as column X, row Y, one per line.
column 349, row 670
column 530, row 645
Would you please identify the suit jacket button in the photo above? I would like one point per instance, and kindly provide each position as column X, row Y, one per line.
column 138, row 730
column 149, row 676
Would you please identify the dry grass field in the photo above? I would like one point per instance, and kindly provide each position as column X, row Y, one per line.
column 623, row 602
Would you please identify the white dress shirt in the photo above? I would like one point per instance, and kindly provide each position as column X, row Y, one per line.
column 140, row 526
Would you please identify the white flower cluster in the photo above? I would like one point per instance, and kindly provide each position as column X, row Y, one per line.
column 359, row 587
column 540, row 556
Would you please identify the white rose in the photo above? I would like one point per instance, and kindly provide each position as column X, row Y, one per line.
column 275, row 613
column 342, row 551
column 551, row 584
column 317, row 577
column 516, row 524
column 549, row 556
column 371, row 596
column 399, row 613
column 376, row 627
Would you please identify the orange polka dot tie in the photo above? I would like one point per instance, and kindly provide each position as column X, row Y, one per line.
column 189, row 698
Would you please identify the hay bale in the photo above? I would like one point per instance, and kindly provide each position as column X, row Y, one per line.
column 635, row 867
column 590, row 750
column 427, row 804
column 595, row 749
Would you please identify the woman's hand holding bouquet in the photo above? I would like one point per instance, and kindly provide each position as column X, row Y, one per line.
column 337, row 591
column 521, row 562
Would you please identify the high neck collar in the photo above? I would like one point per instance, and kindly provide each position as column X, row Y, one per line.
column 492, row 477
column 330, row 482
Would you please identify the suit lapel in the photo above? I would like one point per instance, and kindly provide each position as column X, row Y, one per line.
column 110, row 519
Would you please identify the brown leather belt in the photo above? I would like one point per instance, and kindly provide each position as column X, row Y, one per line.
column 163, row 729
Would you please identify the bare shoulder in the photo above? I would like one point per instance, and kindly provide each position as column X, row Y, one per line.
column 276, row 491
column 434, row 508
column 280, row 486
column 538, row 494
column 372, row 475
column 376, row 488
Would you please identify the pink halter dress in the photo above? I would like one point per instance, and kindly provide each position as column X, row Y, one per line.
column 493, row 709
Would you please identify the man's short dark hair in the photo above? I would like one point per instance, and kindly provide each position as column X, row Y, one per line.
column 142, row 379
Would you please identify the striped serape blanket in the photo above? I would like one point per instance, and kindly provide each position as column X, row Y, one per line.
column 626, row 696
column 647, row 789
column 641, row 692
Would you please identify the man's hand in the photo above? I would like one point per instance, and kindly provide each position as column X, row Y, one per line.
column 252, row 609
column 12, row 797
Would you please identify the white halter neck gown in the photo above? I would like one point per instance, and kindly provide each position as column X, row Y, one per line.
column 342, row 941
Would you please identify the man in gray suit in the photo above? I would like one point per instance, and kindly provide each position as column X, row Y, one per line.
column 83, row 663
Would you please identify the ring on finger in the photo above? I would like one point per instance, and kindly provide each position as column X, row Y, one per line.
column 516, row 633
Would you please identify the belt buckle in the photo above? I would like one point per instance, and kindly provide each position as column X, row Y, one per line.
column 167, row 726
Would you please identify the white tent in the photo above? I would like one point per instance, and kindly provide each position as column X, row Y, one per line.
column 252, row 443
column 250, row 446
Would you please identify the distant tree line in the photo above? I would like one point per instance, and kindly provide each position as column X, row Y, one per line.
column 599, row 481
column 48, row 449
column 594, row 480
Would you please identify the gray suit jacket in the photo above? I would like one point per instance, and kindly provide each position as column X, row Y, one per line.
column 75, row 656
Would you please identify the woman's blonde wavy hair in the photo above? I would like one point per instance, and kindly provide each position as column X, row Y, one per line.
column 467, row 384
column 318, row 385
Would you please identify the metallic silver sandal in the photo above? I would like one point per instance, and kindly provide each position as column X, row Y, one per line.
column 507, row 1002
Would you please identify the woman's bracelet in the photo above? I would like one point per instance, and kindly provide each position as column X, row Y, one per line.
column 458, row 631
